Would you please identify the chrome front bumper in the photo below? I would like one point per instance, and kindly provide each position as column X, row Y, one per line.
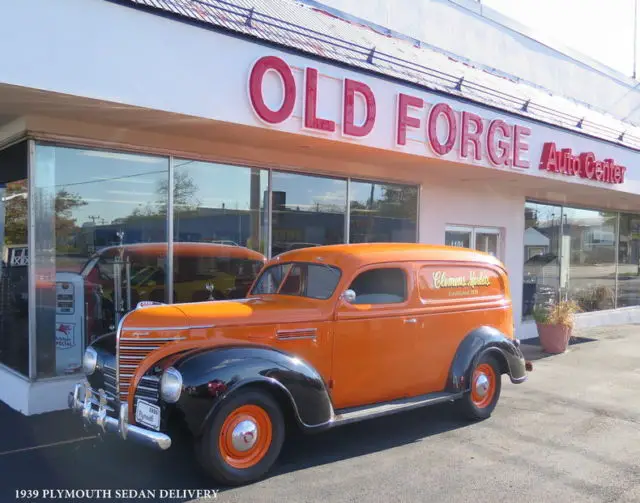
column 80, row 400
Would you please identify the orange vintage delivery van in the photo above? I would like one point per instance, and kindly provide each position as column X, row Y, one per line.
column 326, row 336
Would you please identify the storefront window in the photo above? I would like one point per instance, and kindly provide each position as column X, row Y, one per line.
column 100, row 226
column 542, row 264
column 589, row 244
column 307, row 211
column 382, row 212
column 14, row 312
column 219, row 229
column 629, row 261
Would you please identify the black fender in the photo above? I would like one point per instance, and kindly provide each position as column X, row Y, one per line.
column 481, row 341
column 211, row 375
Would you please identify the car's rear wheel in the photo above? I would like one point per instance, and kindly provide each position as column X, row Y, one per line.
column 485, row 386
column 243, row 439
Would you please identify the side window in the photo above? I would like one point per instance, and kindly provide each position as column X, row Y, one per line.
column 380, row 286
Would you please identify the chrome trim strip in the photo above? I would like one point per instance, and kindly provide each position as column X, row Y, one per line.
column 297, row 330
column 150, row 378
column 31, row 266
column 269, row 212
column 153, row 339
column 347, row 215
column 140, row 348
column 168, row 291
column 297, row 333
column 118, row 334
column 164, row 329
column 147, row 388
column 295, row 337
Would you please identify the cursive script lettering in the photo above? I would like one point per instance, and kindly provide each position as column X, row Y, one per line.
column 441, row 280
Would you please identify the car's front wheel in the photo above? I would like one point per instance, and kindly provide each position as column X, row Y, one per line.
column 485, row 386
column 243, row 438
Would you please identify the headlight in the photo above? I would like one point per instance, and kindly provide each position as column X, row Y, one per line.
column 171, row 385
column 90, row 361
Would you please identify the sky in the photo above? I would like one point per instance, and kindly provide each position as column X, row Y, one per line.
column 601, row 29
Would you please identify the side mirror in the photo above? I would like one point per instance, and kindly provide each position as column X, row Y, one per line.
column 348, row 296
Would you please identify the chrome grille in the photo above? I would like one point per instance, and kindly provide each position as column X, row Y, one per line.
column 109, row 376
column 148, row 390
column 131, row 351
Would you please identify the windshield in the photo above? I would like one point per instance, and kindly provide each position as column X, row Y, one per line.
column 316, row 281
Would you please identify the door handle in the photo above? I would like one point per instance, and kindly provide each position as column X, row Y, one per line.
column 410, row 320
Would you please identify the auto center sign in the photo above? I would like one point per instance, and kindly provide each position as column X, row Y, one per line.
column 444, row 131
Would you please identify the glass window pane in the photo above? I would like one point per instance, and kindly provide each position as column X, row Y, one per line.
column 300, row 279
column 14, row 299
column 100, row 221
column 487, row 242
column 589, row 246
column 460, row 238
column 629, row 261
column 383, row 213
column 219, row 231
column 307, row 211
column 380, row 286
column 542, row 236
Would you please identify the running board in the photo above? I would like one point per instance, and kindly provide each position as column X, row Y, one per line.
column 353, row 414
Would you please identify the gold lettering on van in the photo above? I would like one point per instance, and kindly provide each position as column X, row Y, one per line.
column 442, row 280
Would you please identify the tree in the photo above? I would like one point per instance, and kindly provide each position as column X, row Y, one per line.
column 16, row 210
column 184, row 197
column 65, row 203
column 184, row 193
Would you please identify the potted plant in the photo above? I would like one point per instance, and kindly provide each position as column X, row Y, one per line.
column 555, row 325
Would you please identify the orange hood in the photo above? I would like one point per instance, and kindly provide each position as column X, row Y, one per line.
column 265, row 310
column 260, row 310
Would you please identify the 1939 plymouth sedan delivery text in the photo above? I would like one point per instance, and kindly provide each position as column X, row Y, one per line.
column 326, row 336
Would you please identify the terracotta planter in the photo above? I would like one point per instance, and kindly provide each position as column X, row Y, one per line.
column 554, row 338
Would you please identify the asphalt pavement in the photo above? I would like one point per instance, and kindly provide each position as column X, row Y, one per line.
column 571, row 433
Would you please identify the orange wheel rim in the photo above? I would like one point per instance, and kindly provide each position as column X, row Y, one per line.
column 483, row 385
column 245, row 436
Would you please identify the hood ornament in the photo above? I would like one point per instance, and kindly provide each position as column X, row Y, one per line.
column 209, row 286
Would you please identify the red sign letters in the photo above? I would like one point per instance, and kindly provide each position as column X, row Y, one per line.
column 443, row 129
column 499, row 143
column 583, row 165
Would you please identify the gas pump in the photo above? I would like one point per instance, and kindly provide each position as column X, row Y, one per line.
column 70, row 322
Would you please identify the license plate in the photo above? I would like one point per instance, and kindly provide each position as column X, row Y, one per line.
column 148, row 415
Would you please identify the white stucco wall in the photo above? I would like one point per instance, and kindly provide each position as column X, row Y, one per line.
column 463, row 207
column 482, row 36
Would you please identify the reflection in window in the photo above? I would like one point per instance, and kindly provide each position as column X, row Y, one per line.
column 316, row 281
column 307, row 211
column 542, row 236
column 589, row 247
column 629, row 261
column 100, row 219
column 14, row 314
column 382, row 212
column 221, row 209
